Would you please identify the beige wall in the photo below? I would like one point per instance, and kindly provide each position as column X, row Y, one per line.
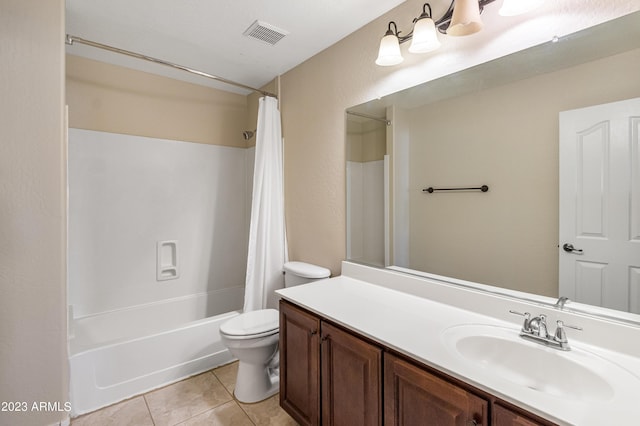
column 33, row 356
column 506, row 137
column 116, row 99
column 316, row 93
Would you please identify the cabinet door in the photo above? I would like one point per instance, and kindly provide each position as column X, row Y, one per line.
column 299, row 364
column 413, row 396
column 503, row 416
column 351, row 379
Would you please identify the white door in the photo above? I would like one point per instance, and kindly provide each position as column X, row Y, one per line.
column 600, row 205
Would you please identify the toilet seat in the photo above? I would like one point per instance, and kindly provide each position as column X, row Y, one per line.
column 250, row 325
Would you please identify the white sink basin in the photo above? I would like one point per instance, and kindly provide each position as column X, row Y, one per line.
column 500, row 352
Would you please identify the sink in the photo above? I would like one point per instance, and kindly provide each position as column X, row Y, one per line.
column 500, row 353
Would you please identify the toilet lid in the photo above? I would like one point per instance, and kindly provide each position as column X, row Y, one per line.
column 250, row 323
column 307, row 270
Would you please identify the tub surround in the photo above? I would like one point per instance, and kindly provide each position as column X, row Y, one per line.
column 194, row 194
column 409, row 314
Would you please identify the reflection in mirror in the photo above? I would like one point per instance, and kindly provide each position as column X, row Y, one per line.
column 366, row 145
column 497, row 124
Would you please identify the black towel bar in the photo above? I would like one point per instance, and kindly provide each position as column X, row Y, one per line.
column 431, row 190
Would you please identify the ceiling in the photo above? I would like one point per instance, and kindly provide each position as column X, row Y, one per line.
column 207, row 35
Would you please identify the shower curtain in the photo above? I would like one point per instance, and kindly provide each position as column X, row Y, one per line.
column 267, row 240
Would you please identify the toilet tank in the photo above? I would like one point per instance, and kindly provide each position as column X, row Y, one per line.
column 296, row 273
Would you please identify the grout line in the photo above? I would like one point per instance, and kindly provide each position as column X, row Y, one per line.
column 235, row 401
column 211, row 408
column 146, row 403
column 244, row 411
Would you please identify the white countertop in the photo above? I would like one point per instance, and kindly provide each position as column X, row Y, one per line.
column 414, row 325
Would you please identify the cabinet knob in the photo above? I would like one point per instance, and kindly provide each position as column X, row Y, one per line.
column 325, row 337
column 313, row 332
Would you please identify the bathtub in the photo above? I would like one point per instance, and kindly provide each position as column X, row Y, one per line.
column 116, row 355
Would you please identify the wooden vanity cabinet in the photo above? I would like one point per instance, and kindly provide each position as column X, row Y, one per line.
column 344, row 388
column 331, row 376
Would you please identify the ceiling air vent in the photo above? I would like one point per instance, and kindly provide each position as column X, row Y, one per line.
column 265, row 32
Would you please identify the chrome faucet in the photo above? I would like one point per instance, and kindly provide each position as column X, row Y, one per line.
column 538, row 326
column 561, row 302
column 535, row 329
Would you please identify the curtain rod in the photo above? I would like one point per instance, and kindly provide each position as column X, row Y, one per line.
column 371, row 117
column 73, row 39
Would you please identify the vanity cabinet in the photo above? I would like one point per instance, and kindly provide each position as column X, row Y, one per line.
column 332, row 376
column 344, row 388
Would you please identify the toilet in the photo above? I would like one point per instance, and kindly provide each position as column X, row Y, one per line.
column 252, row 337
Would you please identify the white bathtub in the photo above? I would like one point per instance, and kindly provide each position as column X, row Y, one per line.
column 116, row 355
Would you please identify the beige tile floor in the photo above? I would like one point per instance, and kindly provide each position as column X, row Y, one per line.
column 205, row 399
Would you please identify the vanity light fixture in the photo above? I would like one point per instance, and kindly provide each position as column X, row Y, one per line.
column 462, row 18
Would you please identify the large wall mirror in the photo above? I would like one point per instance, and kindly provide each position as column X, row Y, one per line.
column 498, row 124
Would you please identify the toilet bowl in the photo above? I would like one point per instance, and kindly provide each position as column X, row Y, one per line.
column 252, row 338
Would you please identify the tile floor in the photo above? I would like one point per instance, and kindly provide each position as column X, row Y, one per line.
column 205, row 399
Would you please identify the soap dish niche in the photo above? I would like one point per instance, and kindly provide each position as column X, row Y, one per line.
column 167, row 261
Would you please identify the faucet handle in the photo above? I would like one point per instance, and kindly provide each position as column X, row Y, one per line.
column 560, row 335
column 526, row 325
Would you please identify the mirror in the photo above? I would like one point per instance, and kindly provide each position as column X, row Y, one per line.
column 495, row 124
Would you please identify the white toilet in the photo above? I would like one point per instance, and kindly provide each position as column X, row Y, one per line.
column 252, row 337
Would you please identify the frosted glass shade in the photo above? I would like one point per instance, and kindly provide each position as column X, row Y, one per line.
column 424, row 37
column 466, row 18
column 389, row 53
column 517, row 7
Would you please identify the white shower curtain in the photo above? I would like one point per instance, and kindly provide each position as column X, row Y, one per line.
column 267, row 240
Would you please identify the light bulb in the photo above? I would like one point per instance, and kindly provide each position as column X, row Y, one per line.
column 424, row 37
column 466, row 18
column 389, row 52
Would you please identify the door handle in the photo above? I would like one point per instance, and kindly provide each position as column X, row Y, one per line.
column 570, row 249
